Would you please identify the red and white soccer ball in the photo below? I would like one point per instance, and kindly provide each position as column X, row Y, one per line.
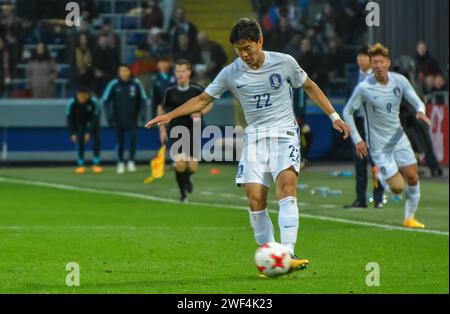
column 272, row 259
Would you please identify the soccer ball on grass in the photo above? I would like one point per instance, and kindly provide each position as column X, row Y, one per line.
column 272, row 259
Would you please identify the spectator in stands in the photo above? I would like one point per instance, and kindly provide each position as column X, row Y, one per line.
column 5, row 68
column 152, row 15
column 334, row 59
column 105, row 64
column 158, row 43
column 41, row 73
column 9, row 26
column 82, row 66
column 212, row 55
column 113, row 38
column 167, row 7
column 83, row 119
column 295, row 15
column 161, row 82
column 89, row 9
column 350, row 23
column 53, row 33
column 311, row 10
column 317, row 41
column 427, row 84
column 291, row 47
column 26, row 33
column 124, row 101
column 327, row 20
column 309, row 60
column 425, row 63
column 433, row 84
column 74, row 37
column 182, row 26
column 186, row 50
column 440, row 84
column 277, row 38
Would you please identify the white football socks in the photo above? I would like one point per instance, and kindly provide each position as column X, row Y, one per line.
column 412, row 196
column 262, row 226
column 288, row 222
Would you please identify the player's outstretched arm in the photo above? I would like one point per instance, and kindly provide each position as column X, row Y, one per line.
column 354, row 104
column 195, row 104
column 318, row 97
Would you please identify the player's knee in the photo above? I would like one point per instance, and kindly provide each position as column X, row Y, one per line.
column 412, row 179
column 285, row 190
column 397, row 187
column 256, row 202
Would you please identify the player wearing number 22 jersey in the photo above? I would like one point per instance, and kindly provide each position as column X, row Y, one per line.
column 271, row 140
column 262, row 82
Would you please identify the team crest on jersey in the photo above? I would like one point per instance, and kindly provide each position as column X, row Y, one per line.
column 397, row 92
column 275, row 80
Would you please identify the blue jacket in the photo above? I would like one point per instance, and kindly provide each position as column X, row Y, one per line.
column 82, row 117
column 124, row 102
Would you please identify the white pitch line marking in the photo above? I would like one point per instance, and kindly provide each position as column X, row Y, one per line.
column 172, row 201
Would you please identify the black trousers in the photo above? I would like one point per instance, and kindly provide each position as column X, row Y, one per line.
column 81, row 145
column 361, row 170
column 132, row 135
column 417, row 132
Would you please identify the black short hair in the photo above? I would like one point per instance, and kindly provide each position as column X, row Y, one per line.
column 124, row 65
column 245, row 29
column 83, row 89
column 363, row 50
column 164, row 58
column 183, row 62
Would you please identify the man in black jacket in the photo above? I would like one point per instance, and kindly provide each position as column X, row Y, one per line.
column 186, row 155
column 83, row 118
column 125, row 100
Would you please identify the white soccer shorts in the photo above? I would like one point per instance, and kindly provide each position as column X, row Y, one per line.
column 265, row 158
column 389, row 161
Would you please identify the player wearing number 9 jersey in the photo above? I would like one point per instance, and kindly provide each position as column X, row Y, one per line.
column 262, row 82
column 379, row 96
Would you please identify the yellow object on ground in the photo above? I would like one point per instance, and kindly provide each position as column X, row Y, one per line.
column 157, row 165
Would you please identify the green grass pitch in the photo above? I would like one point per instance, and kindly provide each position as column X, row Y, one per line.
column 128, row 237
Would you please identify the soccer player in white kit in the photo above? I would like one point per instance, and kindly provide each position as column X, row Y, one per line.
column 380, row 96
column 262, row 82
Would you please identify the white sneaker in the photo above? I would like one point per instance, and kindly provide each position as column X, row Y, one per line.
column 131, row 167
column 120, row 168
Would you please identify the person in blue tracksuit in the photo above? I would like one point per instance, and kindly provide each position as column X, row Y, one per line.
column 124, row 100
column 83, row 119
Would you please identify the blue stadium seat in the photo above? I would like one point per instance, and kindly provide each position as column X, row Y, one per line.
column 130, row 22
column 134, row 38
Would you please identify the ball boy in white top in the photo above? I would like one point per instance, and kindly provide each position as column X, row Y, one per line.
column 262, row 83
column 380, row 96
